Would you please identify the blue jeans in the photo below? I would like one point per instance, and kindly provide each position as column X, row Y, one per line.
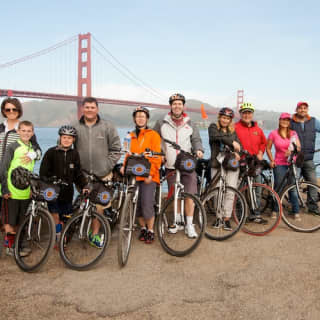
column 279, row 173
column 308, row 171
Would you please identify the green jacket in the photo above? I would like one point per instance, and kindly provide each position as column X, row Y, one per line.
column 10, row 161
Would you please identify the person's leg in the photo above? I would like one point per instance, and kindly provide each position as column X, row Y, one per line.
column 10, row 227
column 147, row 192
column 279, row 173
column 232, row 181
column 141, row 220
column 309, row 173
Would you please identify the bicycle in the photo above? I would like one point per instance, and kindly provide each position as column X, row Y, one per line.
column 137, row 165
column 264, row 206
column 36, row 234
column 75, row 248
column 178, row 244
column 306, row 221
column 214, row 200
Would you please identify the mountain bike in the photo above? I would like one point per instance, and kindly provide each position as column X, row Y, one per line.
column 214, row 201
column 177, row 243
column 76, row 248
column 264, row 206
column 36, row 234
column 137, row 165
column 306, row 220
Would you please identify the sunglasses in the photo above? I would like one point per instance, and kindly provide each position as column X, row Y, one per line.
column 10, row 110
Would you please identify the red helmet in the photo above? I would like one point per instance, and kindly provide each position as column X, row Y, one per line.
column 226, row 112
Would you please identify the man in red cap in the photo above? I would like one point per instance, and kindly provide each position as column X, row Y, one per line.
column 307, row 128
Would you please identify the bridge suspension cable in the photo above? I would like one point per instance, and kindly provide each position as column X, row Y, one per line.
column 39, row 53
column 128, row 73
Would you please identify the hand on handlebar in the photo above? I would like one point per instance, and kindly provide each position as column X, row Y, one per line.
column 148, row 180
column 236, row 146
column 199, row 154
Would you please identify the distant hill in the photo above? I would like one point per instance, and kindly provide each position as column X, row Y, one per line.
column 49, row 113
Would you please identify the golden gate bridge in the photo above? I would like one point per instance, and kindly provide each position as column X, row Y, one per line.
column 84, row 78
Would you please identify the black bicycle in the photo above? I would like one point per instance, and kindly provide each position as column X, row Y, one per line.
column 76, row 247
column 36, row 234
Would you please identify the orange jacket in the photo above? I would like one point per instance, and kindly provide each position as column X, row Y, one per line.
column 148, row 139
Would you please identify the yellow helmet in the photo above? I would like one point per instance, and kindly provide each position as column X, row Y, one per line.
column 246, row 106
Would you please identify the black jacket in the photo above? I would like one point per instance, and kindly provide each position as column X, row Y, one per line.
column 217, row 138
column 65, row 165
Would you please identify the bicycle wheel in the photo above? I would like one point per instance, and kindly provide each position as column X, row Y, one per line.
column 178, row 244
column 264, row 213
column 34, row 240
column 125, row 230
column 306, row 221
column 215, row 209
column 75, row 249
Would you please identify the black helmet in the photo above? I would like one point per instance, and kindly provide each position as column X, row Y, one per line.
column 141, row 109
column 177, row 96
column 226, row 112
column 20, row 178
column 68, row 131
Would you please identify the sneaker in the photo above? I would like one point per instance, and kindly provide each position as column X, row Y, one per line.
column 143, row 234
column 297, row 217
column 260, row 220
column 315, row 211
column 149, row 237
column 227, row 225
column 218, row 223
column 190, row 231
column 178, row 226
column 273, row 215
column 95, row 240
column 23, row 252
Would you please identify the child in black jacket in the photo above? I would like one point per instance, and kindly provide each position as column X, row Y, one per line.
column 63, row 162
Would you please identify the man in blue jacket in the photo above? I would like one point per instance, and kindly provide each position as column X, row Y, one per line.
column 307, row 128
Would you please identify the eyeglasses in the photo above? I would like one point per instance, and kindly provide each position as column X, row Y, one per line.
column 10, row 110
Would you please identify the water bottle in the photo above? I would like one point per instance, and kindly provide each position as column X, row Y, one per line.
column 127, row 142
column 292, row 140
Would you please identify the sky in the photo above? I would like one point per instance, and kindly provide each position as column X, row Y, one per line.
column 206, row 50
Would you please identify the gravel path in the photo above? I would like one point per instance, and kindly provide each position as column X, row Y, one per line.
column 246, row 277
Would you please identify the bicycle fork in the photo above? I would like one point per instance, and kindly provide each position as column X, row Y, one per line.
column 31, row 217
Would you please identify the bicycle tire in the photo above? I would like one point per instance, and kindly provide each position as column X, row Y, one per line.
column 71, row 242
column 183, row 244
column 40, row 244
column 125, row 230
column 307, row 221
column 237, row 218
column 267, row 211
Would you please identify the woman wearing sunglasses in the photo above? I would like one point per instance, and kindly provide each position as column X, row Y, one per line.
column 11, row 110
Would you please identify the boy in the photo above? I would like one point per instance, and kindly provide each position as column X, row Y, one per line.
column 16, row 201
column 63, row 162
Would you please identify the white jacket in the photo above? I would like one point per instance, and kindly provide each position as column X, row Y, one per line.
column 186, row 136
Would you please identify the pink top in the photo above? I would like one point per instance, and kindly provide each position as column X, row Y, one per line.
column 281, row 145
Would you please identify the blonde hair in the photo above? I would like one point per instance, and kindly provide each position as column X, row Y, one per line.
column 230, row 127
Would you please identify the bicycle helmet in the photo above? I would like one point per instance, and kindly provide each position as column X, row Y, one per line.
column 246, row 106
column 68, row 130
column 20, row 178
column 177, row 96
column 226, row 112
column 141, row 109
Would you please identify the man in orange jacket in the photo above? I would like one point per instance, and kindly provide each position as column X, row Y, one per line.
column 143, row 138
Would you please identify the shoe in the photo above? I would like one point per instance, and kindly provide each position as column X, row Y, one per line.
column 190, row 231
column 227, row 225
column 10, row 252
column 297, row 217
column 95, row 240
column 178, row 226
column 260, row 220
column 149, row 237
column 218, row 223
column 23, row 252
column 143, row 234
column 316, row 211
column 273, row 215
